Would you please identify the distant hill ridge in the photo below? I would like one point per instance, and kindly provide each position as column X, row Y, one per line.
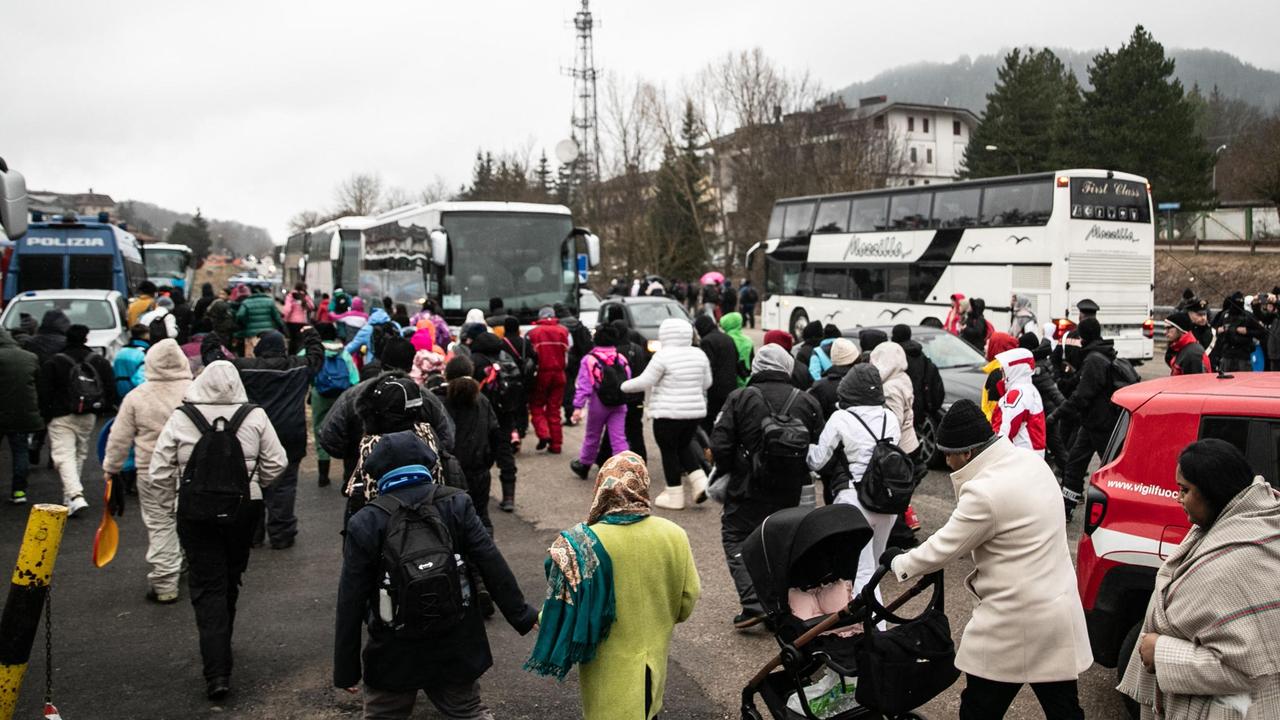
column 229, row 234
column 966, row 82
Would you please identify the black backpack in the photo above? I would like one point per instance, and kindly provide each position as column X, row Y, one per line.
column 421, row 591
column 784, row 442
column 1123, row 374
column 511, row 369
column 84, row 386
column 382, row 332
column 612, row 375
column 889, row 480
column 215, row 483
column 496, row 387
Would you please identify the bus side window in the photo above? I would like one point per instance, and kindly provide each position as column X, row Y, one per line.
column 799, row 220
column 833, row 217
column 869, row 214
column 775, row 222
column 909, row 211
column 868, row 283
column 956, row 208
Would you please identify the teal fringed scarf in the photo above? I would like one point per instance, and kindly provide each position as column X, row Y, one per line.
column 579, row 610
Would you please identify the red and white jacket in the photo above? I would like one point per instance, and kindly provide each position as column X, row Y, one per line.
column 1019, row 416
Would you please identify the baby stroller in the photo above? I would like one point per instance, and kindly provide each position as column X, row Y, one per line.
column 895, row 671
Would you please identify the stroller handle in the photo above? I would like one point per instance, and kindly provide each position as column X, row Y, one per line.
column 856, row 605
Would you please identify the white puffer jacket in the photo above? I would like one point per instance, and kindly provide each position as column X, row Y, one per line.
column 899, row 395
column 677, row 377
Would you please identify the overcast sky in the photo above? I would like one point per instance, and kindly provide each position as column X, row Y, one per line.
column 255, row 110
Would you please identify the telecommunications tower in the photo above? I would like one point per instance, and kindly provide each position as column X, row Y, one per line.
column 585, row 128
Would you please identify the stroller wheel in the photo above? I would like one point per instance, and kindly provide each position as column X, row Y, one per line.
column 750, row 713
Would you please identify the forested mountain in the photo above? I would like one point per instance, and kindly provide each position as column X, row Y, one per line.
column 229, row 234
column 967, row 81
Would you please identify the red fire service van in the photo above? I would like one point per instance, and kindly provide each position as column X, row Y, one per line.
column 1132, row 516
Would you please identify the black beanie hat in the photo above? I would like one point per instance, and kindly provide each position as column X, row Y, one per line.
column 812, row 331
column 397, row 353
column 1090, row 330
column 963, row 428
column 901, row 333
column 391, row 404
column 831, row 332
column 328, row 332
column 1028, row 341
column 871, row 338
column 77, row 335
column 605, row 335
column 1179, row 320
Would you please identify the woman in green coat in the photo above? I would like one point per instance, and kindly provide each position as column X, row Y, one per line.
column 618, row 584
column 731, row 324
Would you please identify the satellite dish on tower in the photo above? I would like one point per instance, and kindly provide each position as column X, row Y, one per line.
column 566, row 151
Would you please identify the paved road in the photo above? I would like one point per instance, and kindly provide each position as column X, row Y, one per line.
column 117, row 656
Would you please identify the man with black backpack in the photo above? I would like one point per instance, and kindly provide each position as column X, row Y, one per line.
column 497, row 370
column 279, row 382
column 80, row 385
column 761, row 439
column 404, row 573
column 1100, row 374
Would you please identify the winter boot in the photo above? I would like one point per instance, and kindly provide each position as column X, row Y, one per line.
column 671, row 498
column 579, row 469
column 508, row 502
column 323, row 470
column 698, row 486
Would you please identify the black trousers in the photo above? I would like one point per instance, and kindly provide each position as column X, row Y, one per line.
column 478, row 483
column 675, row 442
column 504, row 456
column 1078, row 457
column 217, row 556
column 634, row 428
column 715, row 401
column 279, row 498
column 984, row 699
column 736, row 523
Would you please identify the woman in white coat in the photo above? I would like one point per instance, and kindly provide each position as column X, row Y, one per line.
column 899, row 394
column 676, row 379
column 217, row 554
column 1027, row 624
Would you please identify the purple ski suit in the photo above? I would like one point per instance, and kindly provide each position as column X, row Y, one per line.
column 599, row 416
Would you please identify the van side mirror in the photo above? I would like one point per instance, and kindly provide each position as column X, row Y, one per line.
column 439, row 247
column 13, row 202
column 593, row 250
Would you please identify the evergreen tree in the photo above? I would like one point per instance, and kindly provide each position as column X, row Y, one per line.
column 194, row 235
column 543, row 181
column 482, row 177
column 1138, row 119
column 1068, row 139
column 1033, row 91
column 679, row 212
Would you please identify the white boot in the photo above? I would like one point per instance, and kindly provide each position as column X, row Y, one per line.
column 698, row 486
column 670, row 499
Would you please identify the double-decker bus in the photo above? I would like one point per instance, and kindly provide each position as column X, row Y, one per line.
column 169, row 265
column 462, row 254
column 897, row 255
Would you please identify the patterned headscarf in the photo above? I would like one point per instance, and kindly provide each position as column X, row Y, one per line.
column 622, row 489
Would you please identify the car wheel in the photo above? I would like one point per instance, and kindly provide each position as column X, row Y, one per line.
column 927, row 433
column 1122, row 661
column 799, row 320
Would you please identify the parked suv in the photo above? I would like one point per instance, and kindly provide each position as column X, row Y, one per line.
column 102, row 311
column 1132, row 516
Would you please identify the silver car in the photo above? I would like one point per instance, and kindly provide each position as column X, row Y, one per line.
column 102, row 311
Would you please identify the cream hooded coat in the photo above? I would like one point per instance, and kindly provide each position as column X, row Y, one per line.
column 147, row 408
column 217, row 393
column 890, row 359
column 1027, row 624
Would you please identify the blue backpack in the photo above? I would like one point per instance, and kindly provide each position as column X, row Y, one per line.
column 334, row 376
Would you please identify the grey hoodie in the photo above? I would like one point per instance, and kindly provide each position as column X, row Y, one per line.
column 218, row 393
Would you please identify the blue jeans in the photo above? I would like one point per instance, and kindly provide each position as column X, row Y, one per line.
column 18, row 447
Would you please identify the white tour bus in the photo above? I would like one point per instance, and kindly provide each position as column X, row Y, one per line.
column 896, row 255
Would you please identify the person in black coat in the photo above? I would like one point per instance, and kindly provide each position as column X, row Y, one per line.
column 1238, row 331
column 279, row 383
column 722, row 354
column 926, row 382
column 70, row 424
column 49, row 339
column 521, row 349
column 634, row 348
column 734, row 439
column 446, row 667
column 486, row 351
column 1050, row 396
column 1089, row 404
column 579, row 345
column 810, row 339
column 476, row 430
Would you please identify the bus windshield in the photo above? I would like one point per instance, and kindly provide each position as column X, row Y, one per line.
column 514, row 256
column 167, row 263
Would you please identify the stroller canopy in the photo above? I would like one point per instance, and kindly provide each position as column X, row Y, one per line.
column 803, row 548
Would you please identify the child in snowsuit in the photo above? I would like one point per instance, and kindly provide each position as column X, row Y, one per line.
column 1019, row 416
column 600, row 417
column 476, row 431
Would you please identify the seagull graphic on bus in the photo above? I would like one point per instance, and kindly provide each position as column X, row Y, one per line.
column 1018, row 239
column 893, row 314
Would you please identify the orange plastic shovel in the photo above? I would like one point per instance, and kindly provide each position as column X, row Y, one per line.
column 107, row 537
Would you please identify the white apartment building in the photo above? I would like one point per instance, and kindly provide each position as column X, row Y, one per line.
column 933, row 137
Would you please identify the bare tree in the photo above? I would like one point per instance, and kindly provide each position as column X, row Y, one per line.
column 1257, row 164
column 359, row 194
column 436, row 191
column 304, row 220
column 394, row 197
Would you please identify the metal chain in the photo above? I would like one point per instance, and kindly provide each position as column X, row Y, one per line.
column 48, row 645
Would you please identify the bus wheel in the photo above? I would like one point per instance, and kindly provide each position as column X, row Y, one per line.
column 799, row 319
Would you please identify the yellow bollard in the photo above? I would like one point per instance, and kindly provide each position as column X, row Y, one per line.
column 27, row 592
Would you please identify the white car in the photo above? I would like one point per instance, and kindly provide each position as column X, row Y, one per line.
column 103, row 311
column 588, row 308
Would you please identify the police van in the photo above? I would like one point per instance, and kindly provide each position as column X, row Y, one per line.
column 68, row 252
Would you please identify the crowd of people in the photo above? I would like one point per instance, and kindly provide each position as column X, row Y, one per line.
column 210, row 411
column 714, row 295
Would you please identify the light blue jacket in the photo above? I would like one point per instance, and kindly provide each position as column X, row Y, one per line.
column 364, row 337
column 820, row 360
column 128, row 367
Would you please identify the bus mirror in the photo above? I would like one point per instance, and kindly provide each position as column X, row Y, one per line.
column 593, row 249
column 335, row 247
column 13, row 202
column 439, row 247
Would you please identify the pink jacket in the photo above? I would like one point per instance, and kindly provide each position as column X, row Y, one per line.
column 297, row 312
